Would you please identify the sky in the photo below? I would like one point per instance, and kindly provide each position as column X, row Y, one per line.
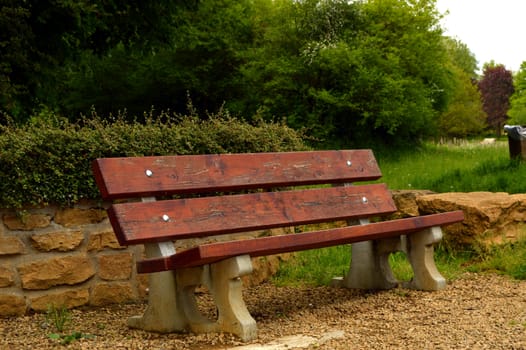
column 491, row 29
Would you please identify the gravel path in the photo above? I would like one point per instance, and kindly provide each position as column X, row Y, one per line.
column 476, row 311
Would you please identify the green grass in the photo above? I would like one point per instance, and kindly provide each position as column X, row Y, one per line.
column 441, row 168
column 459, row 168
column 317, row 267
column 59, row 318
column 314, row 267
column 508, row 259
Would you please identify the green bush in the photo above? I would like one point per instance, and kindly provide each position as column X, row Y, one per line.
column 49, row 159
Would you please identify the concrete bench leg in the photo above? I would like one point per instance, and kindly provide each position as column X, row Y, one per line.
column 370, row 267
column 223, row 280
column 187, row 281
column 370, row 262
column 162, row 314
column 420, row 254
column 226, row 288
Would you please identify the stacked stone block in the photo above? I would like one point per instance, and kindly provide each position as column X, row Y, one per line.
column 63, row 257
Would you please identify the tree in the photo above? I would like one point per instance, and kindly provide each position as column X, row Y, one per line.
column 496, row 87
column 352, row 73
column 201, row 59
column 403, row 60
column 461, row 56
column 16, row 56
column 517, row 111
column 42, row 40
column 278, row 74
column 464, row 115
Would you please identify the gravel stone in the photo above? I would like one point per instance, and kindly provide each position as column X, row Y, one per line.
column 476, row 311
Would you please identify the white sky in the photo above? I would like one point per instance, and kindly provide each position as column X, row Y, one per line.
column 492, row 29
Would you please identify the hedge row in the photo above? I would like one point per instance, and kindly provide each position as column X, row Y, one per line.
column 49, row 160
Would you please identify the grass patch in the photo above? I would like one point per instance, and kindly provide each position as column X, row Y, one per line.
column 465, row 168
column 400, row 266
column 452, row 264
column 508, row 259
column 314, row 267
column 317, row 267
column 59, row 318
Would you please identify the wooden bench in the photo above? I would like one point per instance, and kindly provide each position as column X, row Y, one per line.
column 179, row 200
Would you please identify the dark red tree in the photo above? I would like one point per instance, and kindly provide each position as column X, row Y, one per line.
column 496, row 88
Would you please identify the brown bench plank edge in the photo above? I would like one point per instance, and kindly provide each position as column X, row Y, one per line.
column 129, row 177
column 209, row 253
column 136, row 223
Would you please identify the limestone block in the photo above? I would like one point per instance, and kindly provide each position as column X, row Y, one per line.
column 490, row 217
column 10, row 245
column 68, row 270
column 103, row 240
column 61, row 241
column 69, row 217
column 7, row 277
column 68, row 299
column 112, row 293
column 115, row 267
column 12, row 304
column 406, row 204
column 27, row 222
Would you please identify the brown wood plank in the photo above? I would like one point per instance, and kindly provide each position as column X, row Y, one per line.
column 209, row 253
column 136, row 223
column 128, row 177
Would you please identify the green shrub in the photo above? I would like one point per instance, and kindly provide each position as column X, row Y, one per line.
column 49, row 159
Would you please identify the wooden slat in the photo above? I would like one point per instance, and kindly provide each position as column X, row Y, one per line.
column 136, row 223
column 127, row 177
column 209, row 253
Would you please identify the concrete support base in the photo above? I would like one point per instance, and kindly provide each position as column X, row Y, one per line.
column 370, row 268
column 172, row 304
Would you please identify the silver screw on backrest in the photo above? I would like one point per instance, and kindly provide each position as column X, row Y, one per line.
column 149, row 173
column 349, row 163
column 166, row 218
column 365, row 200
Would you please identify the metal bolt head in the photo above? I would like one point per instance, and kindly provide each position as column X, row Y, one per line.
column 349, row 163
column 166, row 218
column 365, row 200
column 149, row 173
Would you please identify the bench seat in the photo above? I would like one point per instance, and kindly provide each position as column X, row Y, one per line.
column 214, row 252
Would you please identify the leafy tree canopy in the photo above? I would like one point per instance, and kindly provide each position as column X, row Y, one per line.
column 496, row 87
column 357, row 72
column 517, row 111
column 353, row 73
column 464, row 115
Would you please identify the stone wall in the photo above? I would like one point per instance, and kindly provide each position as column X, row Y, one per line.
column 70, row 257
column 63, row 256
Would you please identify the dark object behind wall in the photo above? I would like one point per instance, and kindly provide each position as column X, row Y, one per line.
column 516, row 141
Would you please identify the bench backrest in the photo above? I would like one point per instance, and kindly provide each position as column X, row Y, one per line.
column 205, row 215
